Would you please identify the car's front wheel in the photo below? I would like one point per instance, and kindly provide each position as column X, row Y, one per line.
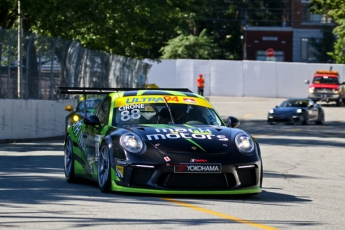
column 306, row 118
column 69, row 160
column 321, row 119
column 104, row 169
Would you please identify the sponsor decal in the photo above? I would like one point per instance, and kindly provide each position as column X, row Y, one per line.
column 148, row 99
column 77, row 131
column 197, row 168
column 166, row 159
column 97, row 142
column 189, row 100
column 133, row 106
column 152, row 99
column 76, row 127
column 119, row 171
column 120, row 162
column 198, row 161
column 178, row 133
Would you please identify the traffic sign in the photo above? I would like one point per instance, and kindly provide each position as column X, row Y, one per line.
column 270, row 52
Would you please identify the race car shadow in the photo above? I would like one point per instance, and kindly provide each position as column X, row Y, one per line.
column 265, row 197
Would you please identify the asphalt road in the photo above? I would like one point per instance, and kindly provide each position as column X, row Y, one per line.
column 303, row 188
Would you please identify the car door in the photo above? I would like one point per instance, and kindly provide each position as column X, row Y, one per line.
column 313, row 110
column 93, row 134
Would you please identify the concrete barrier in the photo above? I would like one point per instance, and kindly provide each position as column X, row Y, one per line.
column 239, row 78
column 23, row 119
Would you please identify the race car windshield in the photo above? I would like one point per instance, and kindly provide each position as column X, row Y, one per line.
column 294, row 103
column 325, row 80
column 158, row 113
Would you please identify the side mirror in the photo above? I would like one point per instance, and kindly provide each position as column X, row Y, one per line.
column 307, row 82
column 277, row 106
column 92, row 120
column 232, row 122
column 69, row 108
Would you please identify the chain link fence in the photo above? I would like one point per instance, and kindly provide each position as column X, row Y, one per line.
column 48, row 63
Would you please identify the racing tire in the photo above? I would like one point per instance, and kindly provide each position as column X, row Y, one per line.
column 270, row 122
column 306, row 118
column 261, row 174
column 103, row 171
column 69, row 161
column 321, row 119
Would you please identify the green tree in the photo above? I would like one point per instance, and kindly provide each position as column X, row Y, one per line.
column 140, row 28
column 189, row 47
column 322, row 47
column 134, row 28
column 335, row 10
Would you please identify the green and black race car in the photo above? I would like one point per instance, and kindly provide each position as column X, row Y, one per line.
column 161, row 141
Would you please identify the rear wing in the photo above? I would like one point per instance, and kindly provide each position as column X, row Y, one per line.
column 85, row 90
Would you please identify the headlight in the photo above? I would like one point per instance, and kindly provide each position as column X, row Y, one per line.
column 271, row 111
column 244, row 143
column 131, row 142
column 75, row 117
column 311, row 90
column 299, row 111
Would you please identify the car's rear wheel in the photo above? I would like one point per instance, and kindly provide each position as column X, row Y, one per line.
column 69, row 160
column 321, row 119
column 104, row 169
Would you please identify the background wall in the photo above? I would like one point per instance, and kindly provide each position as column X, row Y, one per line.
column 21, row 119
column 239, row 78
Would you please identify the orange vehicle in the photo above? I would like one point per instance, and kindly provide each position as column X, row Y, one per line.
column 326, row 87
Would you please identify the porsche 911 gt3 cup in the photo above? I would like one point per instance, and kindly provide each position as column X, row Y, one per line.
column 161, row 141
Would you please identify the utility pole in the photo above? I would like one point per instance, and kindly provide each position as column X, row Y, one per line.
column 19, row 51
column 244, row 22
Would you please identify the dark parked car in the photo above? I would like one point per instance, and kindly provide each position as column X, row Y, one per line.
column 298, row 110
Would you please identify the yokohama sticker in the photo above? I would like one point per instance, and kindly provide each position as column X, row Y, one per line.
column 198, row 168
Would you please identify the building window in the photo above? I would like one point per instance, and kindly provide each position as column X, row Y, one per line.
column 307, row 50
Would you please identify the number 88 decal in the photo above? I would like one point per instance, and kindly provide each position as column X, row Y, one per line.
column 130, row 114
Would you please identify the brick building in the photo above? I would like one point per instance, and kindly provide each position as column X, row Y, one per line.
column 291, row 40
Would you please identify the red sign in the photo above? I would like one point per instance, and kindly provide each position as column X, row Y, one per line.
column 270, row 52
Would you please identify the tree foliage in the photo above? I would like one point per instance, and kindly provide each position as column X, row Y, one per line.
column 140, row 28
column 134, row 28
column 335, row 10
column 190, row 47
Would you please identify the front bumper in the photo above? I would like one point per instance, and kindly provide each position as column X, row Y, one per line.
column 233, row 179
column 323, row 97
column 294, row 118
